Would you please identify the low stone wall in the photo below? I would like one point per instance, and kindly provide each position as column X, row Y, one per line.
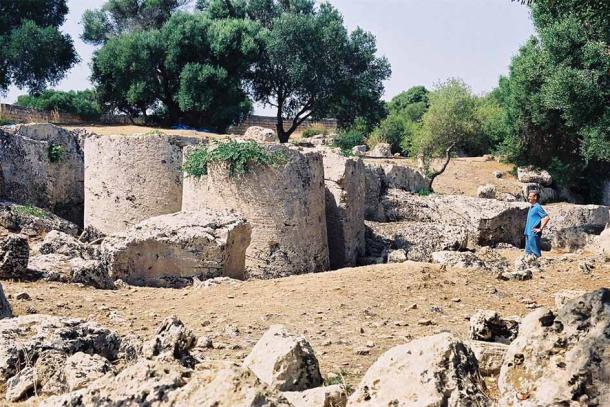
column 132, row 178
column 285, row 207
column 43, row 165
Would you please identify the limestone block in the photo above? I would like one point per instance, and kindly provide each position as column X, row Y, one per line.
column 344, row 181
column 572, row 227
column 284, row 362
column 285, row 206
column 82, row 369
column 438, row 370
column 43, row 165
column 166, row 249
column 547, row 194
column 560, row 358
column 260, row 134
column 489, row 326
column 132, row 178
column 58, row 267
column 14, row 254
column 563, row 296
column 172, row 341
column 490, row 356
column 603, row 243
column 32, row 221
column 381, row 150
column 5, row 307
column 529, row 174
column 328, row 396
column 487, row 191
column 360, row 150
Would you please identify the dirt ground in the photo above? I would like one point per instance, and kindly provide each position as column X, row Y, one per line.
column 350, row 316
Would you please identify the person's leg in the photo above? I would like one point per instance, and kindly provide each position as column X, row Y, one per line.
column 528, row 249
column 536, row 246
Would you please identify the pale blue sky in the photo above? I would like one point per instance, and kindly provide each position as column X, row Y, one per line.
column 426, row 41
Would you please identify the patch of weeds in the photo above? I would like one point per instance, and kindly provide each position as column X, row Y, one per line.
column 154, row 133
column 423, row 192
column 346, row 153
column 339, row 378
column 513, row 171
column 240, row 157
column 29, row 210
column 314, row 131
column 56, row 153
column 6, row 122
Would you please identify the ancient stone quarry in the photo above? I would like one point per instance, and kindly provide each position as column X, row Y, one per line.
column 127, row 281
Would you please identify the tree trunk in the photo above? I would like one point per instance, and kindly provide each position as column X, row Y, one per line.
column 435, row 174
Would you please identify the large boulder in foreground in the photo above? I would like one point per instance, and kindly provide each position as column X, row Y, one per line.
column 155, row 383
column 572, row 226
column 438, row 370
column 14, row 255
column 5, row 307
column 487, row 221
column 24, row 338
column 283, row 361
column 344, row 183
column 561, row 358
column 168, row 250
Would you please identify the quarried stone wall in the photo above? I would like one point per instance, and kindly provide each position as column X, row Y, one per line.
column 285, row 206
column 42, row 165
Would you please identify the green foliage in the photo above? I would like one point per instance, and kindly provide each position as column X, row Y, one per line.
column 29, row 210
column 311, row 65
column 241, row 158
column 56, row 153
column 33, row 52
column 391, row 130
column 5, row 122
column 411, row 103
column 314, row 131
column 557, row 95
column 348, row 139
column 186, row 66
column 423, row 192
column 81, row 102
column 339, row 378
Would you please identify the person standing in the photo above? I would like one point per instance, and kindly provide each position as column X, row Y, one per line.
column 537, row 219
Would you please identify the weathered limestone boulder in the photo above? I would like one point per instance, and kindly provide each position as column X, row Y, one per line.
column 344, row 182
column 156, row 383
column 418, row 239
column 381, row 176
column 488, row 222
column 490, row 356
column 547, row 194
column 529, row 174
column 463, row 260
column 42, row 165
column 438, row 370
column 58, row 267
column 360, row 150
column 132, row 178
column 329, row 396
column 572, row 226
column 260, row 134
column 31, row 221
column 487, row 191
column 166, row 249
column 56, row 242
column 603, row 243
column 563, row 296
column 82, row 369
column 397, row 256
column 284, row 204
column 284, row 362
column 606, row 193
column 18, row 386
column 560, row 358
column 381, row 150
column 172, row 341
column 5, row 307
column 489, row 326
column 24, row 338
column 14, row 254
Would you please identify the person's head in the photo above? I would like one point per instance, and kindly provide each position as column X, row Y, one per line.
column 533, row 197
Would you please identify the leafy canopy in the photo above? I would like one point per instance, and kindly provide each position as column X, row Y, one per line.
column 185, row 66
column 557, row 95
column 33, row 52
column 81, row 102
column 309, row 65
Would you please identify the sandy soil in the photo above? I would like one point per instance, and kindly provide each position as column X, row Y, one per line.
column 367, row 309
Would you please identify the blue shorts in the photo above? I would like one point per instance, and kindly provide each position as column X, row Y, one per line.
column 532, row 245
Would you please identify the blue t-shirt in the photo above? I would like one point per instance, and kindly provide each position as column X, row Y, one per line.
column 534, row 216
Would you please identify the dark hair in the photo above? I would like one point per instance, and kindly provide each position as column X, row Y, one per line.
column 536, row 193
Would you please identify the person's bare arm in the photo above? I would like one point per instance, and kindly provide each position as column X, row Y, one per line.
column 543, row 224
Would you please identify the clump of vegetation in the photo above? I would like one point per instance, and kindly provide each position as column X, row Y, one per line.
column 155, row 132
column 56, row 153
column 5, row 122
column 81, row 102
column 339, row 378
column 423, row 192
column 29, row 210
column 240, row 157
column 314, row 131
column 347, row 140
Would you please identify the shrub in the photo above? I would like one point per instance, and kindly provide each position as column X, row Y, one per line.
column 240, row 157
column 29, row 210
column 56, row 153
column 349, row 139
column 314, row 131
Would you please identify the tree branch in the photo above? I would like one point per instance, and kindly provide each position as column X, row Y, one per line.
column 435, row 174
